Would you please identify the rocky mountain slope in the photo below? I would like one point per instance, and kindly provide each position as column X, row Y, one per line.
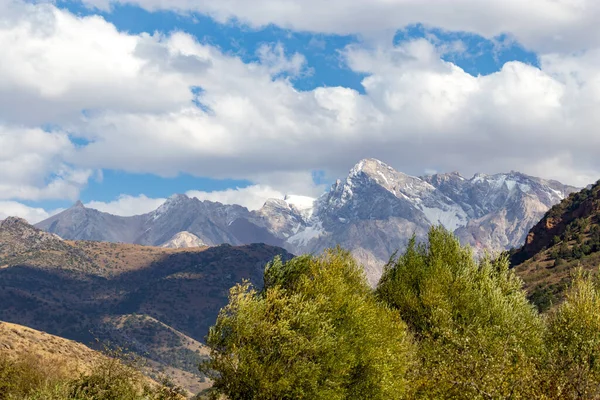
column 158, row 302
column 377, row 209
column 183, row 240
column 567, row 237
column 372, row 212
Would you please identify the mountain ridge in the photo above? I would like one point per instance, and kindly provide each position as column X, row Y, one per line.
column 372, row 212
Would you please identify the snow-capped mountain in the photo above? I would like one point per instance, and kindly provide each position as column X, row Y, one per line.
column 372, row 212
column 375, row 211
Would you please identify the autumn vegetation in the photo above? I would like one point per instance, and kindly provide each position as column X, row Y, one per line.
column 113, row 376
column 440, row 325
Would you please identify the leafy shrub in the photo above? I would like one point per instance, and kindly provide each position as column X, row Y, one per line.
column 29, row 377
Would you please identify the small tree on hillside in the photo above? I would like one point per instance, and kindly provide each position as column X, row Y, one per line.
column 315, row 331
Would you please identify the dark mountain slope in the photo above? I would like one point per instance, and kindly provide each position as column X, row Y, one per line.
column 157, row 302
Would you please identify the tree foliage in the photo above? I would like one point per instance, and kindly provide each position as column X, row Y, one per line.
column 315, row 331
column 478, row 335
column 440, row 325
column 573, row 341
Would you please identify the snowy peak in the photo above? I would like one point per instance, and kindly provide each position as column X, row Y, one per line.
column 379, row 172
column 374, row 190
column 172, row 203
column 175, row 200
column 397, row 183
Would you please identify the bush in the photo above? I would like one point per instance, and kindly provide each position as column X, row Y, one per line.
column 29, row 377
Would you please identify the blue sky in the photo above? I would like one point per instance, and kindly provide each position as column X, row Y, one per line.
column 463, row 73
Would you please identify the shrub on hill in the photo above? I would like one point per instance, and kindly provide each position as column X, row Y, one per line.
column 33, row 378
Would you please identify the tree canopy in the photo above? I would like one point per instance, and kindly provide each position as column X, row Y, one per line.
column 316, row 331
column 479, row 337
column 440, row 325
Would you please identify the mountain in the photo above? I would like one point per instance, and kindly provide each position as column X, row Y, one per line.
column 375, row 210
column 157, row 302
column 372, row 212
column 567, row 237
column 213, row 223
column 183, row 240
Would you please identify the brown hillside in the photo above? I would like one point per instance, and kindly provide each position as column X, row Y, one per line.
column 19, row 342
column 566, row 238
column 157, row 302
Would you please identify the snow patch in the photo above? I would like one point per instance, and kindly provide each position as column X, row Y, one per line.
column 306, row 235
column 524, row 188
column 558, row 193
column 452, row 218
column 383, row 176
column 510, row 184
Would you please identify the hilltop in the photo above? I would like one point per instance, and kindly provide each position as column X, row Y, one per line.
column 568, row 236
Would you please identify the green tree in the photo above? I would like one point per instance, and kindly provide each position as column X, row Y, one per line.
column 573, row 339
column 316, row 331
column 478, row 335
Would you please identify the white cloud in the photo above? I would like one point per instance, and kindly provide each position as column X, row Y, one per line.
column 417, row 111
column 127, row 205
column 32, row 214
column 540, row 24
column 251, row 197
column 33, row 167
column 274, row 58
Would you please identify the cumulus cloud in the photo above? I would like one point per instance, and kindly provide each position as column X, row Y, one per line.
column 32, row 215
column 539, row 24
column 126, row 205
column 33, row 167
column 140, row 113
column 274, row 58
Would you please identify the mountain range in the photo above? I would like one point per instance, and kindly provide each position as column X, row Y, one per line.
column 373, row 212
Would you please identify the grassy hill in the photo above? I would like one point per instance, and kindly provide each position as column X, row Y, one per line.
column 566, row 238
column 17, row 341
column 157, row 302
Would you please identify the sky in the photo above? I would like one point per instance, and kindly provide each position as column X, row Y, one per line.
column 122, row 103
